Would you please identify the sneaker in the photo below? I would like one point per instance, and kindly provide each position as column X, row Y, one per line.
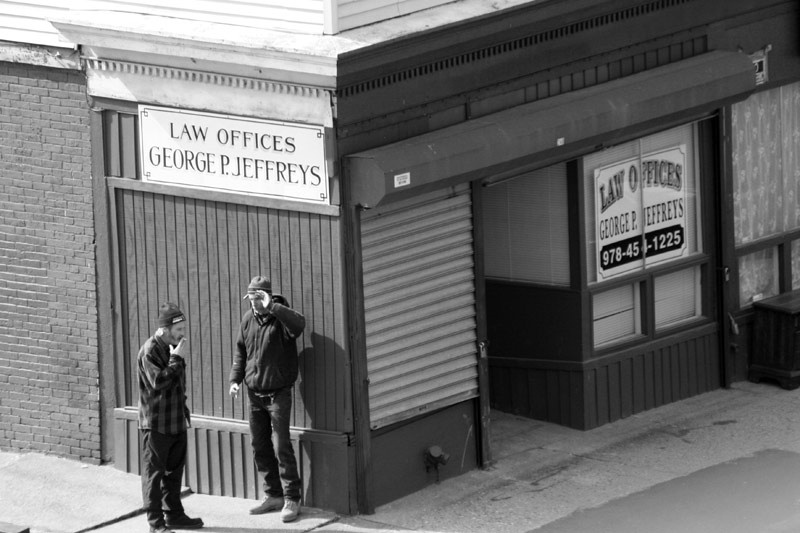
column 184, row 522
column 290, row 510
column 160, row 529
column 270, row 503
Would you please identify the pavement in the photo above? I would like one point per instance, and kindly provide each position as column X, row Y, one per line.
column 725, row 461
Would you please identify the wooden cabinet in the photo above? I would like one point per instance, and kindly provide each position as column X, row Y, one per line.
column 776, row 340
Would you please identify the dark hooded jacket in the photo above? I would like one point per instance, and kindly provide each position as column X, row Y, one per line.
column 266, row 348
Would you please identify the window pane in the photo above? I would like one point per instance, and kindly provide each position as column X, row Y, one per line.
column 766, row 163
column 790, row 132
column 642, row 203
column 758, row 276
column 795, row 264
column 526, row 227
column 677, row 297
column 616, row 314
column 756, row 166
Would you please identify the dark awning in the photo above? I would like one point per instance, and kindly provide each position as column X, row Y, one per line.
column 501, row 141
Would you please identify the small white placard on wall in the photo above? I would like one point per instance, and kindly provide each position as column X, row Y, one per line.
column 401, row 180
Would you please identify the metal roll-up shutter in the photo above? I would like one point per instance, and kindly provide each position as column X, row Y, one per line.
column 419, row 299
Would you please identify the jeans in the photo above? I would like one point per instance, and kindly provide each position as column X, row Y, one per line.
column 163, row 458
column 269, row 423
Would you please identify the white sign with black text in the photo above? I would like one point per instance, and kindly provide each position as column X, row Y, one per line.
column 640, row 207
column 235, row 154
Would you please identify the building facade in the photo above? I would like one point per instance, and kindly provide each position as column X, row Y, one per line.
column 564, row 210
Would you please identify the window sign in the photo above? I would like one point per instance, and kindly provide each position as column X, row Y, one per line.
column 640, row 207
column 236, row 154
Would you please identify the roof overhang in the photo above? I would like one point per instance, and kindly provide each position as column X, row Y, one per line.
column 542, row 130
column 279, row 56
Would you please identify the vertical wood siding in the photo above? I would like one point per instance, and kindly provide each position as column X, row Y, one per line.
column 201, row 255
column 585, row 397
column 419, row 301
column 220, row 460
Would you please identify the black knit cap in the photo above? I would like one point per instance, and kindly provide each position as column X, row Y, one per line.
column 169, row 314
column 259, row 283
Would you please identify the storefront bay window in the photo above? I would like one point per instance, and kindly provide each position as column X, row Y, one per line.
column 766, row 183
column 600, row 278
column 644, row 249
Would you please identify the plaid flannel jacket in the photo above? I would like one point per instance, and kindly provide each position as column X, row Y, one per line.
column 162, row 389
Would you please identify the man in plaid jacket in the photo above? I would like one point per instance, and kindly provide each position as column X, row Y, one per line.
column 163, row 419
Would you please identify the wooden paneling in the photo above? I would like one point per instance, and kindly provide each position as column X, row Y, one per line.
column 201, row 255
column 220, row 460
column 776, row 342
column 591, row 394
column 201, row 251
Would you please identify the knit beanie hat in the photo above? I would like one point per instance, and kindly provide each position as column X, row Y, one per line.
column 259, row 283
column 169, row 314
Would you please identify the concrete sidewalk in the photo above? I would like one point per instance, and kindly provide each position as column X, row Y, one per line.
column 544, row 477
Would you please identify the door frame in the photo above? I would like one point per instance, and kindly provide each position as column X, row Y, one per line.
column 717, row 134
column 483, row 408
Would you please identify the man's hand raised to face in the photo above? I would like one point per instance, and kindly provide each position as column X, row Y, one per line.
column 181, row 350
column 266, row 298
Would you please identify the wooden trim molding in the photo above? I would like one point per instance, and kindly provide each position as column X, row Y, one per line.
column 196, row 76
column 216, row 196
column 534, row 39
column 231, row 94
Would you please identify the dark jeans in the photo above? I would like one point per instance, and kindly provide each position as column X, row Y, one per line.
column 269, row 419
column 163, row 457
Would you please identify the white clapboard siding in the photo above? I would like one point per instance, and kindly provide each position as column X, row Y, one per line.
column 26, row 21
column 355, row 13
column 419, row 301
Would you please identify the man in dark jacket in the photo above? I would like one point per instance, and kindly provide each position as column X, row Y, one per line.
column 266, row 359
column 163, row 419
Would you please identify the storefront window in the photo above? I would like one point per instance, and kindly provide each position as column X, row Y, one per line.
column 758, row 276
column 766, row 163
column 757, row 198
column 643, row 211
column 526, row 227
column 677, row 297
column 766, row 182
column 642, row 204
column 616, row 314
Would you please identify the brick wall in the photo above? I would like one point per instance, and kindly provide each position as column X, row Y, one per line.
column 49, row 392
